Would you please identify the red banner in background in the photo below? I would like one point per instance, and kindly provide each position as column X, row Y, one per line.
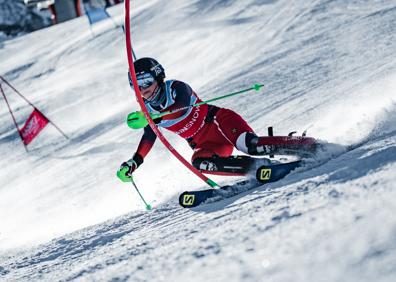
column 34, row 124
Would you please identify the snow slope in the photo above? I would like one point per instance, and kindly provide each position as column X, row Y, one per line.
column 328, row 65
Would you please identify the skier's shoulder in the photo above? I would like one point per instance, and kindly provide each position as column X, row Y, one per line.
column 178, row 86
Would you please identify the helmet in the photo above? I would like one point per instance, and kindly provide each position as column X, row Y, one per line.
column 151, row 66
column 147, row 71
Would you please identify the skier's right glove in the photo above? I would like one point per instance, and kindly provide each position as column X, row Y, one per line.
column 127, row 168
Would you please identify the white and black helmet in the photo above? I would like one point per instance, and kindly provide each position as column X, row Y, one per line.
column 151, row 66
column 147, row 71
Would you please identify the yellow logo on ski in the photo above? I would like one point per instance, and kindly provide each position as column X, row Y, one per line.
column 265, row 174
column 188, row 200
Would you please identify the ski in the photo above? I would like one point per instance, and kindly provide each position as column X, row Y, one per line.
column 191, row 199
column 276, row 171
column 264, row 174
column 266, row 171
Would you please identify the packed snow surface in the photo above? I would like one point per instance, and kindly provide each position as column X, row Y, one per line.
column 328, row 66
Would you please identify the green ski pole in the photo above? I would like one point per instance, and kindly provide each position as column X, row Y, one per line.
column 137, row 120
column 148, row 206
column 254, row 87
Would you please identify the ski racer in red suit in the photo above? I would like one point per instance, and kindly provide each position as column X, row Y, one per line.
column 212, row 132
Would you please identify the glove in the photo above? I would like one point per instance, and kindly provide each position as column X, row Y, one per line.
column 137, row 120
column 127, row 168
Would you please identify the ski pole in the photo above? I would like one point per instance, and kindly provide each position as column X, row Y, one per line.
column 137, row 120
column 148, row 206
column 254, row 87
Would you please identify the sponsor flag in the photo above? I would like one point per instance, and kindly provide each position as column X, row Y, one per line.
column 34, row 124
column 95, row 11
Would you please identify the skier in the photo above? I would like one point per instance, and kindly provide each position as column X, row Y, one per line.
column 212, row 132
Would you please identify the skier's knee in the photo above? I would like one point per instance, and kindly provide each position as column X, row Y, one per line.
column 199, row 155
column 247, row 142
column 203, row 162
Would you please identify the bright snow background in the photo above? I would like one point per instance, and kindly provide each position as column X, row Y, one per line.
column 329, row 66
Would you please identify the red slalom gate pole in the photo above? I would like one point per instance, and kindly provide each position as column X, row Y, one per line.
column 207, row 180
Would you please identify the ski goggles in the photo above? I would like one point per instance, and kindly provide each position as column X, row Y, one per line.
column 145, row 80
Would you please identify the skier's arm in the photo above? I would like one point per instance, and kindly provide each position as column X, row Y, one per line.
column 146, row 143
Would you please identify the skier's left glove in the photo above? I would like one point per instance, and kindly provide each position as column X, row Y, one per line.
column 137, row 120
column 127, row 168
